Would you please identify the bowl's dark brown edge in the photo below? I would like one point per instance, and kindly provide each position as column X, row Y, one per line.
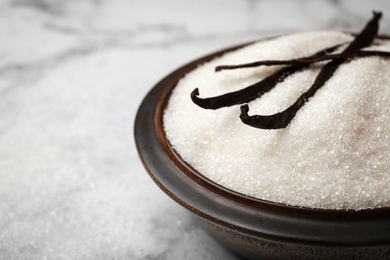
column 241, row 213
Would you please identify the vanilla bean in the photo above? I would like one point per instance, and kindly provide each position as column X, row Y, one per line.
column 256, row 90
column 371, row 53
column 292, row 62
column 305, row 60
column 244, row 95
column 319, row 56
column 282, row 119
column 366, row 36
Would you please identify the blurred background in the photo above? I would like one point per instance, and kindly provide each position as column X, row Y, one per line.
column 72, row 75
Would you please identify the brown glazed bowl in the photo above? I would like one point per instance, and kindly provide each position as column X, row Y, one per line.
column 253, row 228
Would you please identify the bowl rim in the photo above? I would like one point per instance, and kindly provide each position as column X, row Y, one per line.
column 233, row 210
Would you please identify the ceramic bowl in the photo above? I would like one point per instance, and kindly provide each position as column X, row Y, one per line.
column 253, row 228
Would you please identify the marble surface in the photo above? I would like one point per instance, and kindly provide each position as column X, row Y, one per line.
column 72, row 75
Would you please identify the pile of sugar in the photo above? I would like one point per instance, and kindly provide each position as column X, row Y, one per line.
column 335, row 154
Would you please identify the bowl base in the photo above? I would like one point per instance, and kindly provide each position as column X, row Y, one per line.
column 252, row 247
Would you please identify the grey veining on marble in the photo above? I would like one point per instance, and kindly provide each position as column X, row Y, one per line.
column 72, row 74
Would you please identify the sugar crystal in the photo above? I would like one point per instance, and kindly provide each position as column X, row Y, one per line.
column 333, row 155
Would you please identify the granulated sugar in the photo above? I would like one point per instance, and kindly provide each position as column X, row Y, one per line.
column 335, row 154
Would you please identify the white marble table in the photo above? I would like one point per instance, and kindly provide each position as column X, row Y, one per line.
column 72, row 75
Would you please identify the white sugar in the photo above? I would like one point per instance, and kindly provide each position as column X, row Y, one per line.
column 335, row 154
